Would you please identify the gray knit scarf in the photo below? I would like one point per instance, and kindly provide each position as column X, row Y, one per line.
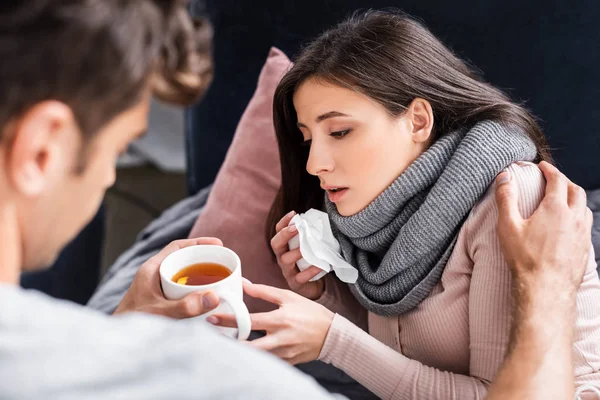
column 401, row 242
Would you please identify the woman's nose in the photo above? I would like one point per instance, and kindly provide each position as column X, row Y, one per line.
column 319, row 160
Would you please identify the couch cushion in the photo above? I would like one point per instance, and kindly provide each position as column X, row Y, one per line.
column 239, row 203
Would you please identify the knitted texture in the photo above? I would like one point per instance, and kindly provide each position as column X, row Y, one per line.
column 402, row 240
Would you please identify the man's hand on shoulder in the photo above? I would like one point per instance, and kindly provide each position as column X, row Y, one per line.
column 554, row 243
column 548, row 255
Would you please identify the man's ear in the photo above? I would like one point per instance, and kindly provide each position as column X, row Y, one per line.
column 420, row 115
column 38, row 150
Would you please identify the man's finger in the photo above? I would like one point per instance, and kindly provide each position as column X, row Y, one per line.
column 577, row 199
column 556, row 182
column 279, row 243
column 268, row 293
column 285, row 221
column 306, row 275
column 180, row 244
column 192, row 305
column 507, row 199
column 589, row 219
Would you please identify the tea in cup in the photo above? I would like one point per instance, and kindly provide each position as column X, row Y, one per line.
column 208, row 268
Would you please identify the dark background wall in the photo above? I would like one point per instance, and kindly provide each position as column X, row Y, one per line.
column 544, row 52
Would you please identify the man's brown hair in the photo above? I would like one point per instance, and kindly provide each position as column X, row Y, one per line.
column 99, row 56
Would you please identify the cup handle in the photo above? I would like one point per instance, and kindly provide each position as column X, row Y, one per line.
column 242, row 316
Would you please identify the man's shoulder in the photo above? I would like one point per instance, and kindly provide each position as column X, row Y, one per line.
column 52, row 346
column 33, row 312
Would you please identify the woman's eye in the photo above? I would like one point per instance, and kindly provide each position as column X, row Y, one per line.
column 340, row 134
column 306, row 143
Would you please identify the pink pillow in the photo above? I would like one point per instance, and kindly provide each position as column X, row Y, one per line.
column 246, row 185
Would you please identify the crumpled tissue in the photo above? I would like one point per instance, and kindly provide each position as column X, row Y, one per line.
column 319, row 247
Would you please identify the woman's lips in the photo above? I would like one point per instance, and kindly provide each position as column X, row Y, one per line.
column 335, row 196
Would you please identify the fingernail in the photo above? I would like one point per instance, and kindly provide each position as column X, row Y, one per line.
column 293, row 228
column 210, row 300
column 503, row 178
column 212, row 320
column 291, row 213
column 246, row 280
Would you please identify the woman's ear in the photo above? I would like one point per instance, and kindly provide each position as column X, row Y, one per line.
column 420, row 115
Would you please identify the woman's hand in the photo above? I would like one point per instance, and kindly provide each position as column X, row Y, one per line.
column 296, row 331
column 298, row 281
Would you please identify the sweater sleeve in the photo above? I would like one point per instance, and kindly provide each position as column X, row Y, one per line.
column 586, row 344
column 391, row 375
column 490, row 298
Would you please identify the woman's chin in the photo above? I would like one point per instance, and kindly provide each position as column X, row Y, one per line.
column 347, row 210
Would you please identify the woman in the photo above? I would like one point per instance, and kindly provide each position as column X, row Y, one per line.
column 405, row 140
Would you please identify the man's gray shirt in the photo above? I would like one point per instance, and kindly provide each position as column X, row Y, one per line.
column 51, row 349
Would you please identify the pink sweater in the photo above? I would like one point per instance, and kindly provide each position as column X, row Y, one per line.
column 453, row 343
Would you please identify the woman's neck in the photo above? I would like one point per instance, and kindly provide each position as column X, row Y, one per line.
column 10, row 247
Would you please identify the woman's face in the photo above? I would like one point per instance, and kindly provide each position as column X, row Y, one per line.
column 356, row 148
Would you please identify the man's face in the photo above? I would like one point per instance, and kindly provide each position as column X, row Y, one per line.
column 51, row 217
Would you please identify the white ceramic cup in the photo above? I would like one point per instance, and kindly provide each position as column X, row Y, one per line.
column 229, row 290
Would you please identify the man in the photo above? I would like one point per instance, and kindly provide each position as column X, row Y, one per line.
column 76, row 78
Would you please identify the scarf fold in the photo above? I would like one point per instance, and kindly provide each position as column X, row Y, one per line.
column 401, row 242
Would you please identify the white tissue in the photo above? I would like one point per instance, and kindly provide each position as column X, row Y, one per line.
column 319, row 247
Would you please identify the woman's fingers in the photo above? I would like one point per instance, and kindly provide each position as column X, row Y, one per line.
column 274, row 345
column 285, row 221
column 259, row 321
column 224, row 320
column 306, row 275
column 291, row 257
column 288, row 262
column 267, row 343
column 268, row 293
column 279, row 243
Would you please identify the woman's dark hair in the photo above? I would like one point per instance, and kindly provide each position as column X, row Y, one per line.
column 393, row 59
